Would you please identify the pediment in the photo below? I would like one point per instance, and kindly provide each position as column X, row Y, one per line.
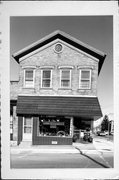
column 65, row 39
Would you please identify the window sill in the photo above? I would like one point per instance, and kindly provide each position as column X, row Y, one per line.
column 84, row 89
column 64, row 88
column 48, row 88
column 28, row 87
column 54, row 136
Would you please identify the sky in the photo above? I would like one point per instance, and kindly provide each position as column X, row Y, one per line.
column 97, row 31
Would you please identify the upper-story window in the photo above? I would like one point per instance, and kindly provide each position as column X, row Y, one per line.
column 29, row 78
column 65, row 78
column 85, row 79
column 46, row 81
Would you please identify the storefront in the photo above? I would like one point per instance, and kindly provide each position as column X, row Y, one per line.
column 48, row 120
column 57, row 90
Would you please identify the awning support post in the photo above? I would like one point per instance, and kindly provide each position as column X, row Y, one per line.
column 15, row 124
column 92, row 122
column 71, row 126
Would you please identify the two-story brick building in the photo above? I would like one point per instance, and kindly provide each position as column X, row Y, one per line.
column 57, row 90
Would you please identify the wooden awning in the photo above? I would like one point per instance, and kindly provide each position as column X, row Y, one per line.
column 58, row 106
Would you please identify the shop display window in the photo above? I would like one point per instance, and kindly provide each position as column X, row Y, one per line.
column 54, row 126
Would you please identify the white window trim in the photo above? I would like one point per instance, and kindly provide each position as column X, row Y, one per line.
column 26, row 69
column 89, row 78
column 85, row 67
column 46, row 67
column 61, row 78
column 42, row 77
column 65, row 67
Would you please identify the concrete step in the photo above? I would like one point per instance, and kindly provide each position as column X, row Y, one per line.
column 39, row 149
column 25, row 144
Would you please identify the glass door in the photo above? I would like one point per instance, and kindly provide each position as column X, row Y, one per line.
column 27, row 128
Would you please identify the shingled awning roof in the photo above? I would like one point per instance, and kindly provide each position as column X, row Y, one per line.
column 58, row 105
column 66, row 38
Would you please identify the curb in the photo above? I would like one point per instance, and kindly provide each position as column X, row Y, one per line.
column 90, row 152
column 104, row 141
column 72, row 151
column 87, row 151
column 104, row 147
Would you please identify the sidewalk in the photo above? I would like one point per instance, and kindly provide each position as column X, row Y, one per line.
column 85, row 147
column 96, row 147
column 103, row 145
column 74, row 148
column 45, row 149
column 79, row 154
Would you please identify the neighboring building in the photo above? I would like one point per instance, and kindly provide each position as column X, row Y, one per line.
column 57, row 90
column 97, row 125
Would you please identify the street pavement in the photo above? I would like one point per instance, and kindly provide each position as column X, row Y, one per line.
column 106, row 149
column 35, row 160
column 98, row 154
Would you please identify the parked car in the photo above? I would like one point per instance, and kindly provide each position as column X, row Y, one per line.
column 102, row 133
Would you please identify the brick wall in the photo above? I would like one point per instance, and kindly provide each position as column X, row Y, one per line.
column 47, row 56
column 15, row 124
column 14, row 89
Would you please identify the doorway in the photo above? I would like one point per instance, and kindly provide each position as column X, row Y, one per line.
column 27, row 128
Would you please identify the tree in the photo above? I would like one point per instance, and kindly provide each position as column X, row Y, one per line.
column 105, row 124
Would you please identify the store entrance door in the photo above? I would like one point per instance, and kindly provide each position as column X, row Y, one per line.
column 27, row 128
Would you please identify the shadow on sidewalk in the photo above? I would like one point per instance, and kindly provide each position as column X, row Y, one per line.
column 105, row 166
